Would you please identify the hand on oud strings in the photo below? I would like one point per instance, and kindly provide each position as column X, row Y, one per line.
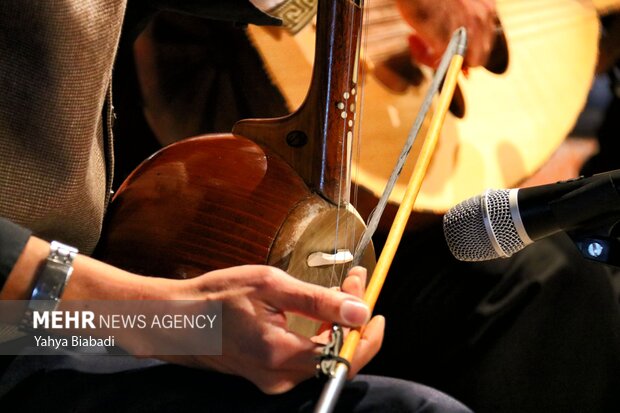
column 434, row 21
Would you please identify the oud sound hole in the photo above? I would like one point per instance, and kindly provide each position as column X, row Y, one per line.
column 296, row 139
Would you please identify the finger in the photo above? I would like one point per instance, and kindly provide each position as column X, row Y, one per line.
column 304, row 362
column 322, row 336
column 359, row 272
column 421, row 51
column 481, row 25
column 289, row 294
column 369, row 344
column 279, row 360
column 290, row 351
column 355, row 282
column 432, row 23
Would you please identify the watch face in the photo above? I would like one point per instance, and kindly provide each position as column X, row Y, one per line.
column 51, row 280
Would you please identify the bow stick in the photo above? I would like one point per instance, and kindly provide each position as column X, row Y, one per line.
column 448, row 71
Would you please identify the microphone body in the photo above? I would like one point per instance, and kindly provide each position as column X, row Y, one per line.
column 501, row 222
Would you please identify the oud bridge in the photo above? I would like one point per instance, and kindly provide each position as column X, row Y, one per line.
column 324, row 259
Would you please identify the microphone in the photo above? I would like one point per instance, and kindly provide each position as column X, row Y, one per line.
column 499, row 223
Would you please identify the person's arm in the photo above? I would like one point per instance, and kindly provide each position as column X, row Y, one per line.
column 91, row 279
column 434, row 22
column 254, row 299
column 13, row 239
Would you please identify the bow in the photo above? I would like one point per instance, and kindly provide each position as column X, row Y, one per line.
column 447, row 73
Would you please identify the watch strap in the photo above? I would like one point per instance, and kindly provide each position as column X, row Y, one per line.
column 52, row 277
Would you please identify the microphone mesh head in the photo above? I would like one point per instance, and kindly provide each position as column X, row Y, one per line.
column 466, row 235
column 500, row 217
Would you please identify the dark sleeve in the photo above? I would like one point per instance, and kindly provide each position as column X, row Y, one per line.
column 238, row 11
column 139, row 12
column 13, row 238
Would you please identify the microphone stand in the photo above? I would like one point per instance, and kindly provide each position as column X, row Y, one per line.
column 335, row 361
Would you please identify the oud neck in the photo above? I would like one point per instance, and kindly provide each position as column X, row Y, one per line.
column 316, row 139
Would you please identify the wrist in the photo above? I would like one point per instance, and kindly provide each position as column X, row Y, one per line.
column 96, row 280
column 90, row 280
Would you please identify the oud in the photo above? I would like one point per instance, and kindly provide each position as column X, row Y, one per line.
column 509, row 121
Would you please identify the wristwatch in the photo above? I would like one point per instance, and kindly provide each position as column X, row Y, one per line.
column 52, row 277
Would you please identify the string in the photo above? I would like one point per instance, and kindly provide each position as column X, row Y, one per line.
column 342, row 209
column 360, row 109
column 343, row 165
column 344, row 161
column 526, row 8
column 359, row 102
column 354, row 124
column 517, row 14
